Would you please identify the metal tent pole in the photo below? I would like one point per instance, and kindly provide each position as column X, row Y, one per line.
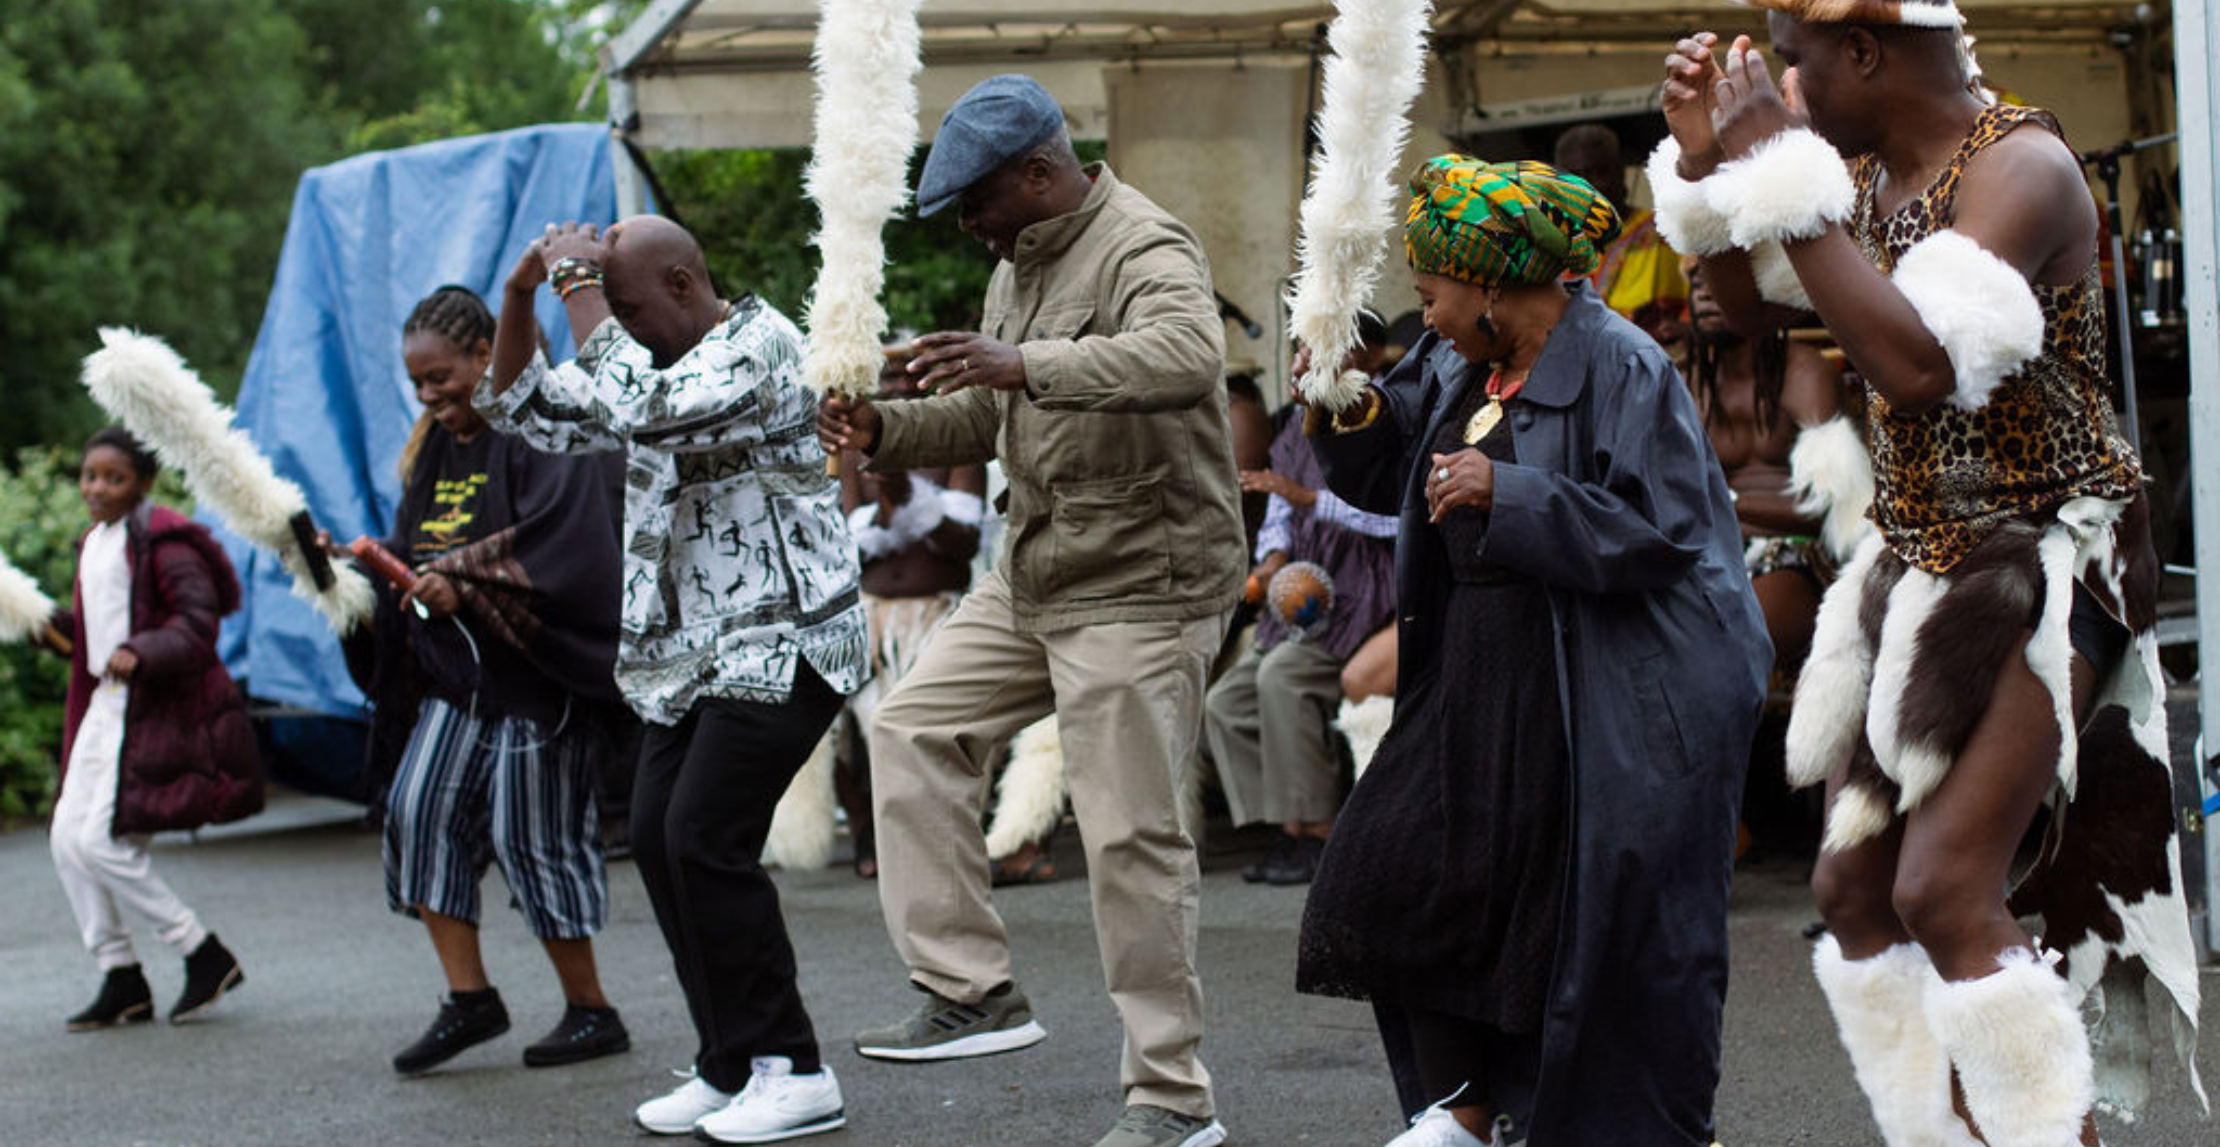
column 2197, row 50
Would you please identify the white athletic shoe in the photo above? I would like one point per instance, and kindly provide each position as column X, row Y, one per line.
column 1436, row 1127
column 777, row 1104
column 680, row 1111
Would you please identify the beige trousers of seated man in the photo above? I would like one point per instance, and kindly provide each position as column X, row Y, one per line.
column 1128, row 704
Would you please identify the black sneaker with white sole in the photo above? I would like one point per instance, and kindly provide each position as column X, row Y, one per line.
column 945, row 1029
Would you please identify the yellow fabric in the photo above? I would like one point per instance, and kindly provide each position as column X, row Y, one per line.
column 1640, row 269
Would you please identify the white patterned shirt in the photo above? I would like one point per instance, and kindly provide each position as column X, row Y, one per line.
column 736, row 559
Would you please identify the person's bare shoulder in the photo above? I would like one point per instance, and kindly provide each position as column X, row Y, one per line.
column 2024, row 198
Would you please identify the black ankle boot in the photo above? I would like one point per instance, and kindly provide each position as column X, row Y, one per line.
column 124, row 999
column 210, row 971
column 465, row 1020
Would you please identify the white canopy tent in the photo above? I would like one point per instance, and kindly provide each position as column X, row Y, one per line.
column 1204, row 102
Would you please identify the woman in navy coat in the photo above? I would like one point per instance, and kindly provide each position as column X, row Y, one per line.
column 1530, row 881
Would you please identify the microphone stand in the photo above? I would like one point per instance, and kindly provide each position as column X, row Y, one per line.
column 2107, row 163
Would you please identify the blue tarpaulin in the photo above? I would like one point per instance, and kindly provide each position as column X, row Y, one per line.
column 325, row 395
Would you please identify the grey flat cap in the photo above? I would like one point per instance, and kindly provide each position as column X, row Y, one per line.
column 996, row 121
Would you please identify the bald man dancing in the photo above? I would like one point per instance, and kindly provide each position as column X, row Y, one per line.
column 741, row 631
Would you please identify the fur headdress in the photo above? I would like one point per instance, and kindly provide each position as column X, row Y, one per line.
column 1377, row 67
column 1938, row 14
column 1911, row 13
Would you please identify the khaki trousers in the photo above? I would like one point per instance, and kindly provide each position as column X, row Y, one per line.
column 1267, row 723
column 1128, row 705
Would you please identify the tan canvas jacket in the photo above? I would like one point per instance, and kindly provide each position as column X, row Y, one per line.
column 1123, row 501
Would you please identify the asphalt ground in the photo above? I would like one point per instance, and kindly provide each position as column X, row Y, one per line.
column 336, row 984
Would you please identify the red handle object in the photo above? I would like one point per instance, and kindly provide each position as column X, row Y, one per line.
column 381, row 561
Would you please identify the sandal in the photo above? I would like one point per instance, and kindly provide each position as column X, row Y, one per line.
column 1031, row 864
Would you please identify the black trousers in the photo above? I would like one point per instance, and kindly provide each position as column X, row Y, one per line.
column 701, row 808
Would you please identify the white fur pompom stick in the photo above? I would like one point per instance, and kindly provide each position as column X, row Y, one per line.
column 144, row 384
column 25, row 611
column 866, row 59
column 1376, row 70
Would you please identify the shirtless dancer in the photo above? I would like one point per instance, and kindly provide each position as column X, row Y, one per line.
column 1992, row 650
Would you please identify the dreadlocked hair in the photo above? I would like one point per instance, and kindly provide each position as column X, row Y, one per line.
column 1768, row 360
column 458, row 315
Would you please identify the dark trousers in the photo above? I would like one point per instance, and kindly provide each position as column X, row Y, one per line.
column 701, row 807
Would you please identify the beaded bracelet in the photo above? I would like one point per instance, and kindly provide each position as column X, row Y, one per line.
column 573, row 274
column 575, row 284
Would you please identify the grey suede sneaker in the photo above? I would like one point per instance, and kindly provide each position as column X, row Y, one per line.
column 945, row 1029
column 1147, row 1125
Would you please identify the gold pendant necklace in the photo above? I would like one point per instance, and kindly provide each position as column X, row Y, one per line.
column 1485, row 418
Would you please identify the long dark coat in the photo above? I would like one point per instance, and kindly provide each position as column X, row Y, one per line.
column 189, row 755
column 1618, row 506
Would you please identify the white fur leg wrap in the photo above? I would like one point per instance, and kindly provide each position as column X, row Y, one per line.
column 1029, row 799
column 24, row 610
column 1793, row 186
column 1376, row 69
column 1829, row 714
column 1878, row 1005
column 2022, row 1055
column 1365, row 723
column 1684, row 213
column 1830, row 474
column 866, row 58
column 802, row 823
column 1979, row 307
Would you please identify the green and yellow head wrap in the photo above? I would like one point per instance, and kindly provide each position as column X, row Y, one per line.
column 1493, row 223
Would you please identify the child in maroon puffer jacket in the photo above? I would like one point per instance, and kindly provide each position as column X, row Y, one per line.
column 156, row 735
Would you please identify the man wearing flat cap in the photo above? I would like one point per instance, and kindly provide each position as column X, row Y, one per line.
column 1097, row 378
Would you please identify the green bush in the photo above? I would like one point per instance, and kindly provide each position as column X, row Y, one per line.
column 39, row 503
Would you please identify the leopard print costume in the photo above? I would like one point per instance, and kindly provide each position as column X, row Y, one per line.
column 1947, row 478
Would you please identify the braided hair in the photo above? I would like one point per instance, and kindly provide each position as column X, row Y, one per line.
column 458, row 315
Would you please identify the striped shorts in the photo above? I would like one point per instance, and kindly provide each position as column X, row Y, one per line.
column 470, row 792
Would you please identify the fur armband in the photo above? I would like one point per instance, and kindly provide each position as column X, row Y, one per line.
column 1777, row 281
column 915, row 520
column 1830, row 474
column 1979, row 307
column 1685, row 216
column 24, row 610
column 1792, row 187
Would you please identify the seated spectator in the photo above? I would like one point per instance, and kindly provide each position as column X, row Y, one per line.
column 1267, row 718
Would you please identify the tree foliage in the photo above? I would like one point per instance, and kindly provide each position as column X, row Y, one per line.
column 149, row 150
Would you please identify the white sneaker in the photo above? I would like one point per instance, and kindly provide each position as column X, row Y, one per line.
column 1436, row 1127
column 678, row 1112
column 777, row 1104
